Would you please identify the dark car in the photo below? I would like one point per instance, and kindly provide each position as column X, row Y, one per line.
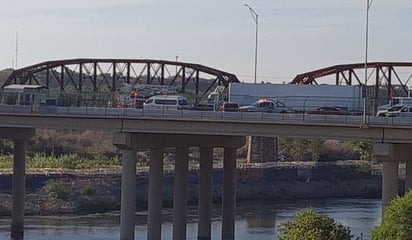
column 202, row 106
column 327, row 111
column 229, row 107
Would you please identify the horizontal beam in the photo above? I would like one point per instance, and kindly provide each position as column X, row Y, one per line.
column 381, row 134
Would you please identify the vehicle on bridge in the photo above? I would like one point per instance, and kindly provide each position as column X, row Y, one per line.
column 395, row 111
column 299, row 98
column 265, row 105
column 328, row 111
column 395, row 101
column 230, row 107
column 166, row 102
column 134, row 96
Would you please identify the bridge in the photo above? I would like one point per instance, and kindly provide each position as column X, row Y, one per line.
column 135, row 129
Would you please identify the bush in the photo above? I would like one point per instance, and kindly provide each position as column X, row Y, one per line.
column 56, row 189
column 309, row 225
column 397, row 220
column 87, row 191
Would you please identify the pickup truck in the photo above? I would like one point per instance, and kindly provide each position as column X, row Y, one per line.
column 264, row 105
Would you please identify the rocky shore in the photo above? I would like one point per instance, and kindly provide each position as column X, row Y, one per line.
column 97, row 191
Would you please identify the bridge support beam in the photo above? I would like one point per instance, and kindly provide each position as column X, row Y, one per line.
column 204, row 225
column 128, row 195
column 390, row 155
column 180, row 189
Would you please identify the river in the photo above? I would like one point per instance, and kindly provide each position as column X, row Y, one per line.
column 254, row 220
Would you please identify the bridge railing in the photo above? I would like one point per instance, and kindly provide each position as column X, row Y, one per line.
column 202, row 115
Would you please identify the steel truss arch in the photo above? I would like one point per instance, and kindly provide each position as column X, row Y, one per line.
column 382, row 76
column 96, row 74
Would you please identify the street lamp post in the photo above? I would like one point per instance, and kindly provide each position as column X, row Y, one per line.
column 256, row 19
column 368, row 5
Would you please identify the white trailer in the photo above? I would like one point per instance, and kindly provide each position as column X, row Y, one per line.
column 299, row 98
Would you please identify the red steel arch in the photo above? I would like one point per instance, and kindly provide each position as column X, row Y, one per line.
column 383, row 75
column 96, row 74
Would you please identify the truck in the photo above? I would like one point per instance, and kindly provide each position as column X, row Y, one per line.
column 299, row 98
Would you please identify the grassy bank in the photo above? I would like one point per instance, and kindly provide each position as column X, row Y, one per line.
column 72, row 161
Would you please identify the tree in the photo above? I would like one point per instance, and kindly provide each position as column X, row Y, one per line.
column 363, row 148
column 309, row 225
column 297, row 148
column 397, row 220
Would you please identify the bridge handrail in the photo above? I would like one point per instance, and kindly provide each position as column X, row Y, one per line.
column 107, row 112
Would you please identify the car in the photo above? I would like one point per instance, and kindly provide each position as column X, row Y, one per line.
column 264, row 105
column 229, row 107
column 202, row 106
column 327, row 111
column 394, row 111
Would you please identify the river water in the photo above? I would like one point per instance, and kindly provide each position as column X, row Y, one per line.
column 254, row 220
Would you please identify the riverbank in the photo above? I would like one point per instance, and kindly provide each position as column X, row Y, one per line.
column 51, row 192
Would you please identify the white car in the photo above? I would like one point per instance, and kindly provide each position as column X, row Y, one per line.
column 394, row 111
column 264, row 105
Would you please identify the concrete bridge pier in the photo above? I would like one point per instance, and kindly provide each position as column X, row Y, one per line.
column 154, row 217
column 408, row 174
column 128, row 195
column 20, row 137
column 390, row 155
column 180, row 189
column 156, row 143
column 229, row 194
column 18, row 189
column 205, row 194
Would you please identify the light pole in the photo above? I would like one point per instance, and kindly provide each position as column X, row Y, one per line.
column 368, row 5
column 177, row 57
column 256, row 19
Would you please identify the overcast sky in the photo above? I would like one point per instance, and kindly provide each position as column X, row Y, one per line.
column 295, row 36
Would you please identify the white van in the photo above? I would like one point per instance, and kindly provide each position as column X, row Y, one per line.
column 166, row 102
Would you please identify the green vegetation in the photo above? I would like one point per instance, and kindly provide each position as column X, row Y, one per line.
column 397, row 220
column 6, row 161
column 299, row 149
column 363, row 148
column 87, row 191
column 309, row 225
column 72, row 161
column 56, row 189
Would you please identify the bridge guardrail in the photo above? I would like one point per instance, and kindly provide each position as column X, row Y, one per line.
column 206, row 115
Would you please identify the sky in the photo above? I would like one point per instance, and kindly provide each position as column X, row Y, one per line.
column 294, row 36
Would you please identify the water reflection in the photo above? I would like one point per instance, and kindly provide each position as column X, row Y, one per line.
column 254, row 220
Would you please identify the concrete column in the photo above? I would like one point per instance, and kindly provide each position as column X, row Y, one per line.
column 249, row 149
column 389, row 182
column 18, row 189
column 128, row 200
column 408, row 175
column 205, row 194
column 180, row 189
column 229, row 194
column 154, row 218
